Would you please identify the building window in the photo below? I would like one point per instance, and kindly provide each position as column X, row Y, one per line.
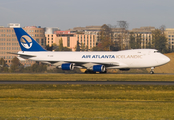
column 68, row 41
column 42, row 42
column 37, row 40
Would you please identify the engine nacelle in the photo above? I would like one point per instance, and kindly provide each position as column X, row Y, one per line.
column 67, row 66
column 99, row 68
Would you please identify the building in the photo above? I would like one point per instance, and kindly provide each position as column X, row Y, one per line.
column 89, row 30
column 145, row 33
column 9, row 42
column 70, row 39
column 88, row 40
column 118, row 34
column 50, row 36
column 169, row 32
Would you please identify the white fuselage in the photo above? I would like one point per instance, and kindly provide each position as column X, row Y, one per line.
column 138, row 58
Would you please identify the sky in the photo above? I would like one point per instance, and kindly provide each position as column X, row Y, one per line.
column 67, row 14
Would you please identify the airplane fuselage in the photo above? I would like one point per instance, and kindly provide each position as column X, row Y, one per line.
column 138, row 58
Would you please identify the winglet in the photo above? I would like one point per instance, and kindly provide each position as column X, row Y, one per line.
column 26, row 42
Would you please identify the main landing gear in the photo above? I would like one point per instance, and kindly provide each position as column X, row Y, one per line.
column 92, row 72
column 152, row 70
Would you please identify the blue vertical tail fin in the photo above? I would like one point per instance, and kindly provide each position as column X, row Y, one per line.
column 26, row 42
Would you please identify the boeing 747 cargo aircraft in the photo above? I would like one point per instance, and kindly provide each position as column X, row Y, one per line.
column 92, row 61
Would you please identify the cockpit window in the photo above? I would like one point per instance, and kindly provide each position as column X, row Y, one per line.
column 156, row 51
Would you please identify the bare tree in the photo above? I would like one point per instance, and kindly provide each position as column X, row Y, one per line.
column 124, row 25
column 162, row 28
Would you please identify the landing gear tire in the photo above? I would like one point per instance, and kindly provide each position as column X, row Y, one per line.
column 90, row 71
column 103, row 72
column 152, row 70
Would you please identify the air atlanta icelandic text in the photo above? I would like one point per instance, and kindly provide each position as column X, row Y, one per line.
column 112, row 56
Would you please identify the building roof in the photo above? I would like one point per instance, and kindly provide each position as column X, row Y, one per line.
column 143, row 29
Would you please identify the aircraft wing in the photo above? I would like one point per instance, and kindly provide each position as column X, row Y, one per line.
column 85, row 64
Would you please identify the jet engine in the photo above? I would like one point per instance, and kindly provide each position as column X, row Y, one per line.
column 67, row 66
column 99, row 68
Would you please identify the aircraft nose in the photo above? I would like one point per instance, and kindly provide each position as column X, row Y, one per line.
column 166, row 59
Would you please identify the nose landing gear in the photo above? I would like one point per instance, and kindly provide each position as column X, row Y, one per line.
column 152, row 70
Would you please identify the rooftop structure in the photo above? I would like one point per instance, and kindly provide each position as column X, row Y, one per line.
column 51, row 30
column 14, row 25
column 148, row 29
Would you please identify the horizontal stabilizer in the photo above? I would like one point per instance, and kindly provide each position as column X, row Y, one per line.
column 22, row 55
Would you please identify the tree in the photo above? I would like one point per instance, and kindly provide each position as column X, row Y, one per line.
column 124, row 25
column 78, row 46
column 135, row 41
column 108, row 41
column 66, row 49
column 117, row 43
column 162, row 28
column 159, row 40
column 2, row 62
column 16, row 66
column 86, row 48
column 149, row 45
column 61, row 45
column 49, row 48
column 83, row 47
column 3, row 67
column 138, row 41
column 132, row 41
column 105, row 38
column 36, row 68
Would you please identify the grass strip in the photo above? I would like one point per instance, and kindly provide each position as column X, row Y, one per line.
column 87, row 101
column 86, row 77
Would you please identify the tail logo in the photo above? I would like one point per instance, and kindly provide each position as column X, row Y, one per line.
column 26, row 42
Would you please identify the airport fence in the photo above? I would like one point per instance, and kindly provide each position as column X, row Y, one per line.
column 53, row 118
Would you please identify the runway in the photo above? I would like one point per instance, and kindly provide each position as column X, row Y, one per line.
column 92, row 82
